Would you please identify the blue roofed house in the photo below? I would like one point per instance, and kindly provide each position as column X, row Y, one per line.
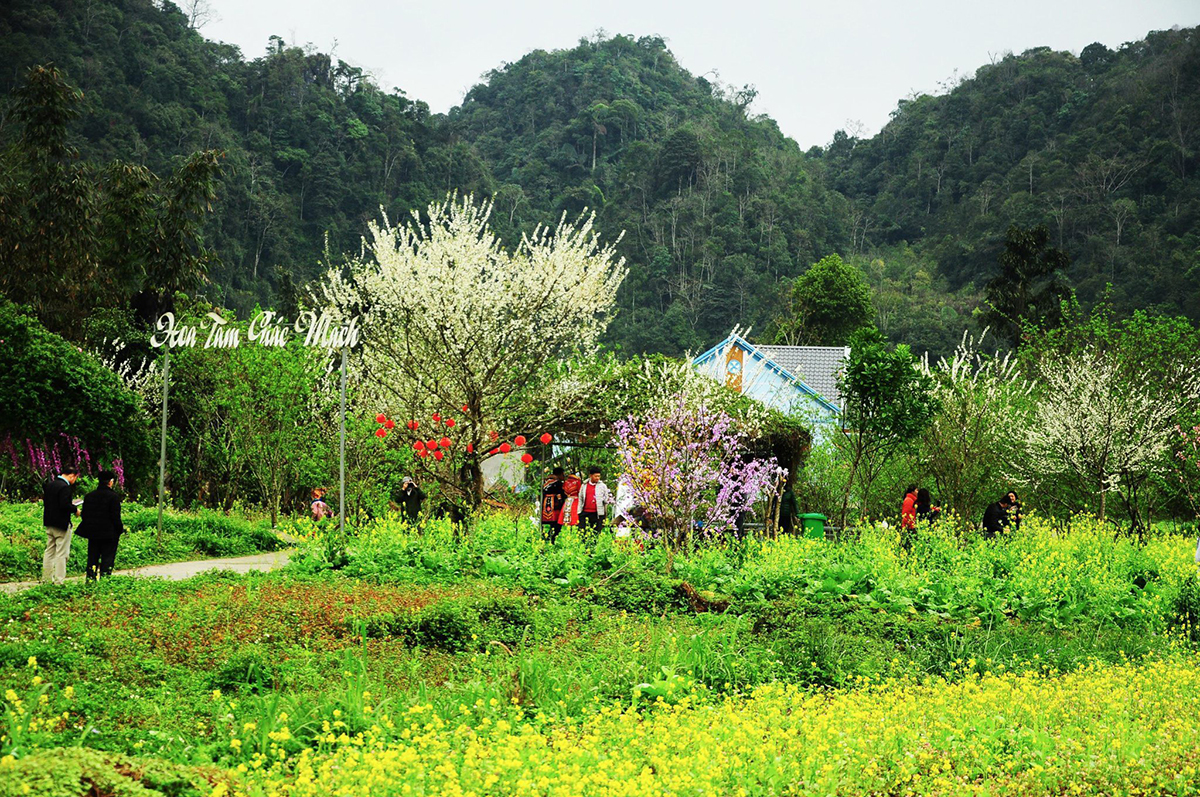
column 798, row 380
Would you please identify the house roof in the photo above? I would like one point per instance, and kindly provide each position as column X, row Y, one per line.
column 816, row 366
column 823, row 363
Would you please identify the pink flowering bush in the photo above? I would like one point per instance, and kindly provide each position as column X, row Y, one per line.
column 690, row 474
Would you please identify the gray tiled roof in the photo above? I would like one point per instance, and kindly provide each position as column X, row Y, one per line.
column 816, row 366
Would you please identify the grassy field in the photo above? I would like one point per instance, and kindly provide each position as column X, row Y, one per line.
column 186, row 535
column 1060, row 660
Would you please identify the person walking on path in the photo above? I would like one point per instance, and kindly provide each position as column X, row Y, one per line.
column 553, row 498
column 595, row 498
column 57, row 508
column 995, row 517
column 101, row 526
column 411, row 497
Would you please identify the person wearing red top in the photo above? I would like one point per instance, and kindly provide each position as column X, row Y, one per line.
column 594, row 499
column 908, row 509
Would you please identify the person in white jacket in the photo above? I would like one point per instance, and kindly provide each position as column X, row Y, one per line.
column 594, row 500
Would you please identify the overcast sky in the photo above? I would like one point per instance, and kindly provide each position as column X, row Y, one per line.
column 818, row 66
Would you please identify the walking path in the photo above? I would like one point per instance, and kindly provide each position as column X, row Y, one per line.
column 177, row 571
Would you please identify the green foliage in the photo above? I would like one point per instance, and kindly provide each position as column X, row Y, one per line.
column 54, row 391
column 889, row 402
column 72, row 771
column 826, row 305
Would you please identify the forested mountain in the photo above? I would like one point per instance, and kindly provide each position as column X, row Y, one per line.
column 1101, row 148
column 719, row 209
column 311, row 146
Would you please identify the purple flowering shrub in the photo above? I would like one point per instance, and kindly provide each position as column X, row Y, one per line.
column 689, row 473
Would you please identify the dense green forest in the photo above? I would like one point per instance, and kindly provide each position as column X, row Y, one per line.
column 720, row 210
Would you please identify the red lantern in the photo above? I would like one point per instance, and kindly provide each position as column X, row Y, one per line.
column 437, row 417
column 494, row 435
column 519, row 440
column 438, row 455
column 527, row 458
column 505, row 448
column 546, row 438
column 390, row 424
column 445, row 442
column 422, row 453
column 419, row 445
column 493, row 451
column 381, row 432
column 470, row 448
column 431, row 444
column 465, row 408
column 380, row 418
column 450, row 422
column 413, row 425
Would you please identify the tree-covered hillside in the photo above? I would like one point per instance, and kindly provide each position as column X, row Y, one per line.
column 1101, row 148
column 719, row 209
column 311, row 146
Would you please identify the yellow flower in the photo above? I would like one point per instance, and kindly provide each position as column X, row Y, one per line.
column 31, row 661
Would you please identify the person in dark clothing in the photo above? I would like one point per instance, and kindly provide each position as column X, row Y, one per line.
column 553, row 498
column 101, row 527
column 788, row 509
column 58, row 506
column 925, row 509
column 995, row 517
column 1014, row 512
column 411, row 497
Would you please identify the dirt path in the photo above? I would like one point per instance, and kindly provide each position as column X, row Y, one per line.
column 177, row 571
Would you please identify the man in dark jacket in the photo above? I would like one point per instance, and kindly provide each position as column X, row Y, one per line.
column 57, row 509
column 553, row 498
column 101, row 526
column 411, row 497
column 995, row 517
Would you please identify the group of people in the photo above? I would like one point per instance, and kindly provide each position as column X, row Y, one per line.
column 100, row 524
column 1001, row 515
column 570, row 501
column 408, row 500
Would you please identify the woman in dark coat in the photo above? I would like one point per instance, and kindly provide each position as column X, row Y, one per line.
column 101, row 526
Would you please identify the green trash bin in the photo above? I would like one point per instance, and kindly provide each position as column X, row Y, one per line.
column 812, row 525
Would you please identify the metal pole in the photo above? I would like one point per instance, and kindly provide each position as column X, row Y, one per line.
column 162, row 447
column 342, row 455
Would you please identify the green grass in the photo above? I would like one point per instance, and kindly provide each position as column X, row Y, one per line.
column 198, row 674
column 186, row 535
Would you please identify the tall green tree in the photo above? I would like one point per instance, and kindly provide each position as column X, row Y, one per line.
column 889, row 402
column 1030, row 288
column 826, row 305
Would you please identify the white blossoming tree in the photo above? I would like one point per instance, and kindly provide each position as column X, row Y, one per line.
column 456, row 325
column 1099, row 426
column 975, row 437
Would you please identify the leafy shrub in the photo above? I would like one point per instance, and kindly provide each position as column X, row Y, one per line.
column 71, row 771
column 248, row 668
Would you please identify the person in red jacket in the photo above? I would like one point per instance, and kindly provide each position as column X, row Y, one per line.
column 908, row 509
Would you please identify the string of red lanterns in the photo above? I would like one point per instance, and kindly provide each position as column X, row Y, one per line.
column 438, row 447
